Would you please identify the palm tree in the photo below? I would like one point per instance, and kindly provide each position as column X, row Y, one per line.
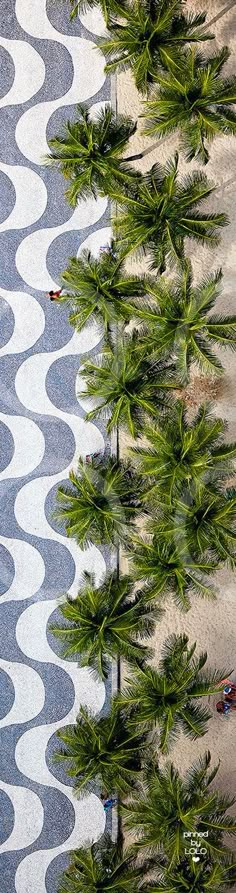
column 177, row 320
column 100, row 503
column 103, row 867
column 106, row 623
column 167, row 569
column 161, row 211
column 179, row 453
column 127, row 385
column 203, row 525
column 100, row 288
column 167, row 697
column 150, row 34
column 196, row 101
column 88, row 152
column 171, row 806
column 103, row 750
column 205, row 876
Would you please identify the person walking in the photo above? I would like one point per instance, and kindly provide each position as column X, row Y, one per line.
column 225, row 707
column 54, row 295
column 230, row 692
column 91, row 456
column 229, row 703
column 108, row 802
column 107, row 249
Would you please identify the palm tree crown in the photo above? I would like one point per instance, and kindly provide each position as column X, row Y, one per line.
column 127, row 385
column 103, row 867
column 170, row 806
column 88, row 152
column 167, row 697
column 205, row 876
column 151, row 33
column 162, row 210
column 205, row 524
column 196, row 100
column 182, row 454
column 106, row 622
column 177, row 320
column 103, row 750
column 167, row 569
column 100, row 288
column 100, row 503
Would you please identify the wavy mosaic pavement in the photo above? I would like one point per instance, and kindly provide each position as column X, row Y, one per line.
column 47, row 65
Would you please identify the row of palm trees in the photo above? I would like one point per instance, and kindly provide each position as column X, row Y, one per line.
column 172, row 816
column 177, row 487
column 149, row 37
column 173, row 315
column 164, row 701
column 157, row 803
column 105, row 867
column 89, row 153
column 171, row 504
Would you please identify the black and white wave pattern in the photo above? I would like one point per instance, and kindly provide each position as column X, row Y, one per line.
column 47, row 65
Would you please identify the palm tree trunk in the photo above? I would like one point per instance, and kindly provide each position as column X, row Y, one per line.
column 219, row 15
column 225, row 184
column 151, row 148
column 141, row 154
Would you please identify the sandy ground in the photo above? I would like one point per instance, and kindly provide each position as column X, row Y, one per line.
column 211, row 624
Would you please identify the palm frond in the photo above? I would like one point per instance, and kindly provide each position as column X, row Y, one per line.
column 99, row 288
column 103, row 866
column 177, row 322
column 107, row 622
column 195, row 100
column 165, row 567
column 160, row 211
column 171, row 805
column 206, row 876
column 181, row 455
column 166, row 697
column 88, row 152
column 127, row 386
column 151, row 36
column 102, row 749
column 100, row 502
column 204, row 525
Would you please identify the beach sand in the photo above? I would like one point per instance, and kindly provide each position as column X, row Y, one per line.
column 212, row 624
